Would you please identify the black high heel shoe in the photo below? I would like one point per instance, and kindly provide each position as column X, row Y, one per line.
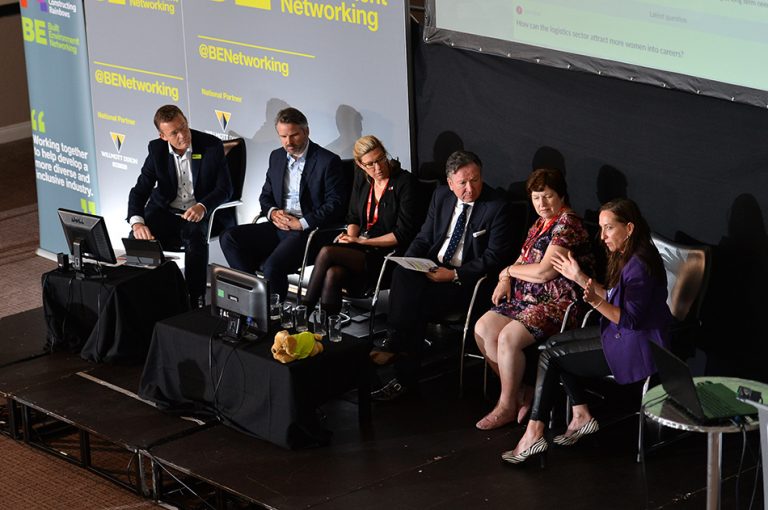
column 539, row 447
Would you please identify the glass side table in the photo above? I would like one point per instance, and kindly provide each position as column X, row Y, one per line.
column 658, row 409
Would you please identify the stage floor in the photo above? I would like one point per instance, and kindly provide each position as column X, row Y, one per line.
column 421, row 451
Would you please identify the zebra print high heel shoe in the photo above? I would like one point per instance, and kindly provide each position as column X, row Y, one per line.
column 538, row 447
column 588, row 428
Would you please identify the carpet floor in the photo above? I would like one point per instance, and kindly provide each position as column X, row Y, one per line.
column 20, row 268
column 17, row 174
column 30, row 478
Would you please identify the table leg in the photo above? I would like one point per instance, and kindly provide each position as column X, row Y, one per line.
column 714, row 465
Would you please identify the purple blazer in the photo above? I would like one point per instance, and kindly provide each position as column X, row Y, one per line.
column 645, row 317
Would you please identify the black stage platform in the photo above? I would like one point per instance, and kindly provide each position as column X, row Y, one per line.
column 421, row 451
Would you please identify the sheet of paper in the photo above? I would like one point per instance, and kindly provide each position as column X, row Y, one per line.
column 415, row 263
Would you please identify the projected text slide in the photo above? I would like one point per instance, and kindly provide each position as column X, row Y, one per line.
column 720, row 40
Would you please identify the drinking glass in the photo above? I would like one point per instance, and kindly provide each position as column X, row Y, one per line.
column 286, row 318
column 300, row 318
column 274, row 307
column 334, row 328
column 319, row 321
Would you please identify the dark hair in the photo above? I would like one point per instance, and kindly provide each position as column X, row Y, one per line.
column 639, row 243
column 291, row 116
column 547, row 177
column 460, row 159
column 167, row 113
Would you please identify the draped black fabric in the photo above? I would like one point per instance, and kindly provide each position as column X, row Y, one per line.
column 111, row 319
column 190, row 370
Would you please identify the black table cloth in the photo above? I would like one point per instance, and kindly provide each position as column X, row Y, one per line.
column 111, row 319
column 190, row 370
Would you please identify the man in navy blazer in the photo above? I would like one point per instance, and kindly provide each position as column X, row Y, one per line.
column 304, row 189
column 463, row 256
column 184, row 178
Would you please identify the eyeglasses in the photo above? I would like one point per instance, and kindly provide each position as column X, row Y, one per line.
column 369, row 165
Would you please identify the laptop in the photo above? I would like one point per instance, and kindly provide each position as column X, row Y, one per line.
column 143, row 252
column 707, row 402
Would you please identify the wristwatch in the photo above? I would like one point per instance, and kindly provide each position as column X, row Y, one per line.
column 456, row 277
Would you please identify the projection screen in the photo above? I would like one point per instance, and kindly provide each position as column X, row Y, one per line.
column 711, row 47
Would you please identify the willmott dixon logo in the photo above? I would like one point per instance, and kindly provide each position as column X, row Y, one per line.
column 43, row 4
column 256, row 4
column 223, row 119
column 118, row 139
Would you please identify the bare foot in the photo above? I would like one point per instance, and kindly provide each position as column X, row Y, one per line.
column 524, row 403
column 496, row 418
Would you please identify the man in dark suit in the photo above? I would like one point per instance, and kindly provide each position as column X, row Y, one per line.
column 467, row 233
column 184, row 178
column 304, row 189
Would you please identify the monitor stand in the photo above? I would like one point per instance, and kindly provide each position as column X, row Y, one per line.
column 84, row 270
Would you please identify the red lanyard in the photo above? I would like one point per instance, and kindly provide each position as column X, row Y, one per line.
column 544, row 229
column 372, row 222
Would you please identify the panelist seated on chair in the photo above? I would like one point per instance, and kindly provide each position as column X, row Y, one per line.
column 531, row 297
column 304, row 189
column 183, row 179
column 467, row 234
column 382, row 216
column 634, row 312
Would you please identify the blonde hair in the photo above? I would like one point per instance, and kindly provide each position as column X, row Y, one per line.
column 366, row 144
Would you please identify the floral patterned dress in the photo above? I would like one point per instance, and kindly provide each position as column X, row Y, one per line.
column 540, row 307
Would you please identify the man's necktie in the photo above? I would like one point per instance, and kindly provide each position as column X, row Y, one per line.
column 458, row 231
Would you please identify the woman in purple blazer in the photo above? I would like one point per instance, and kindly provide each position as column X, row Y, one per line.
column 634, row 312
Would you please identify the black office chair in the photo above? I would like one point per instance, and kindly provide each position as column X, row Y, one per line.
column 234, row 151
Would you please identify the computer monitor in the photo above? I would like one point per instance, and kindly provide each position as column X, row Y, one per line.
column 242, row 298
column 87, row 237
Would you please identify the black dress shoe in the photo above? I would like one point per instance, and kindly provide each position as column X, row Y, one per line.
column 386, row 352
column 386, row 344
column 390, row 391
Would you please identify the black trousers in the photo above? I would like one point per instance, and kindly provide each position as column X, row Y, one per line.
column 569, row 356
column 414, row 301
column 277, row 253
column 173, row 233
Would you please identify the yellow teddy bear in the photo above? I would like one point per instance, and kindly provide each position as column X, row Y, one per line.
column 287, row 347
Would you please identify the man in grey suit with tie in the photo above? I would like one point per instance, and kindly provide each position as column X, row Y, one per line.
column 467, row 233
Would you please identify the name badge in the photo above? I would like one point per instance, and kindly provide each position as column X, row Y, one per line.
column 197, row 156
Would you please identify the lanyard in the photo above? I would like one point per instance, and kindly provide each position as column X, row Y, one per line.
column 543, row 230
column 370, row 222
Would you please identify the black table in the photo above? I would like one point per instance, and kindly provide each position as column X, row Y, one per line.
column 190, row 370
column 111, row 319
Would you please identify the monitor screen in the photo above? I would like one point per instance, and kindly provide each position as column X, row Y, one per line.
column 242, row 294
column 87, row 237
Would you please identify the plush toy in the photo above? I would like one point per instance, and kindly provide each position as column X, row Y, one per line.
column 287, row 347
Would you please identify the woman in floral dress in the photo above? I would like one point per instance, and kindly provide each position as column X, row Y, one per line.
column 531, row 296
